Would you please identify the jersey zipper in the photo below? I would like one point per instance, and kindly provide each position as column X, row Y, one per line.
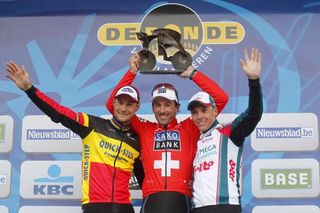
column 114, row 165
column 165, row 164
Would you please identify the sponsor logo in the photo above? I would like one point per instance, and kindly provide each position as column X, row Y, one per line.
column 54, row 184
column 6, row 133
column 51, row 179
column 167, row 140
column 285, row 178
column 3, row 179
column 124, row 153
column 2, row 133
column 40, row 134
column 285, row 132
column 206, row 150
column 203, row 166
column 133, row 183
column 178, row 17
column 86, row 163
column 51, row 134
column 232, row 172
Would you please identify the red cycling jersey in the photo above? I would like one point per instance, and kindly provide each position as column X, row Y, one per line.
column 167, row 152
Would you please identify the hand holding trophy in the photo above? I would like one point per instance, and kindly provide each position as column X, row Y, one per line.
column 167, row 38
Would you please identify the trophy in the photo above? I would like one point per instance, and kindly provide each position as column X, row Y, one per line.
column 167, row 38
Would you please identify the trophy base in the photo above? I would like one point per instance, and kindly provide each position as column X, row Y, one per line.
column 161, row 72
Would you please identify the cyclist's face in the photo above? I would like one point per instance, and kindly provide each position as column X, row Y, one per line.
column 124, row 108
column 203, row 117
column 164, row 110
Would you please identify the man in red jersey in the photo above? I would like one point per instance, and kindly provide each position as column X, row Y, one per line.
column 168, row 146
column 109, row 147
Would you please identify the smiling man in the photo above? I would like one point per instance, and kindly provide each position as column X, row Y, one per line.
column 105, row 171
column 167, row 146
column 217, row 164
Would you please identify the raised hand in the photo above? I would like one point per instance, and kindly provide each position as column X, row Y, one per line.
column 134, row 63
column 186, row 73
column 252, row 65
column 18, row 75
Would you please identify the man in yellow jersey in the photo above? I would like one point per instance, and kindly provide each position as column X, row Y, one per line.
column 109, row 147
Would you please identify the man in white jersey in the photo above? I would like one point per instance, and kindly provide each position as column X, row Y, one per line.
column 217, row 162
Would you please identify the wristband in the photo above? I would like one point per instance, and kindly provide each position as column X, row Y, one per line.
column 192, row 74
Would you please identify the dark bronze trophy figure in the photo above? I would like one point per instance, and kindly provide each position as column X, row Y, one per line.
column 167, row 38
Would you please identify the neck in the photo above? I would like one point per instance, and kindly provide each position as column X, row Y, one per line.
column 120, row 125
column 212, row 125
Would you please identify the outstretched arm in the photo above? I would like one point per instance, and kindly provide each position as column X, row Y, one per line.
column 208, row 85
column 247, row 121
column 57, row 113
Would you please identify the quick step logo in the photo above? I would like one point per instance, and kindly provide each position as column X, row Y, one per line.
column 40, row 134
column 286, row 132
column 285, row 178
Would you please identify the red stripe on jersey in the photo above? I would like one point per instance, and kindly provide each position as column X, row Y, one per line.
column 60, row 109
column 226, row 130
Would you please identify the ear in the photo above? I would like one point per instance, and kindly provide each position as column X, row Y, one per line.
column 215, row 110
column 138, row 106
column 178, row 108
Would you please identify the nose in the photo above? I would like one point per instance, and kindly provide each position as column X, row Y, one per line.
column 199, row 116
column 123, row 107
column 162, row 109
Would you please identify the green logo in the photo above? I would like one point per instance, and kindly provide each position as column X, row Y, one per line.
column 286, row 178
column 2, row 131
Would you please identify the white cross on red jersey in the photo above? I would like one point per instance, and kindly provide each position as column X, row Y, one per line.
column 171, row 164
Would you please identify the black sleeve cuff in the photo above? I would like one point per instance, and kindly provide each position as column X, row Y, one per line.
column 254, row 82
column 31, row 90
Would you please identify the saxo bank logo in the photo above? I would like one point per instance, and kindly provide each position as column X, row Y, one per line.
column 285, row 178
column 51, row 179
column 196, row 35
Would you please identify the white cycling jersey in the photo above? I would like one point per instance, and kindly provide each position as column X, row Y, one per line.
column 217, row 164
column 216, row 169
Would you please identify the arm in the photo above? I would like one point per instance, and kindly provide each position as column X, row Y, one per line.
column 246, row 122
column 127, row 79
column 206, row 84
column 55, row 111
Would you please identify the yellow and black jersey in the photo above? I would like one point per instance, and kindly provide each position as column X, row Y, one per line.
column 109, row 150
